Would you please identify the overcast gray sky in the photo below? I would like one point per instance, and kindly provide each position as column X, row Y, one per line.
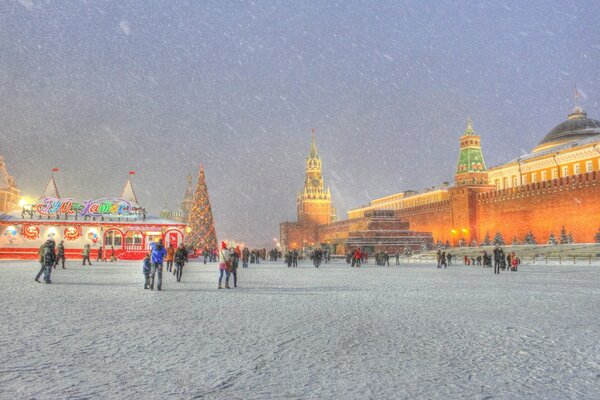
column 98, row 88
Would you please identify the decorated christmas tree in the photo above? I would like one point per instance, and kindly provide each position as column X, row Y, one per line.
column 552, row 239
column 202, row 233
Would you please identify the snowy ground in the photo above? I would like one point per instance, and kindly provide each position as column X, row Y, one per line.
column 371, row 333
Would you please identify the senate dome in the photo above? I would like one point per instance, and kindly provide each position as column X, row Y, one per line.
column 577, row 127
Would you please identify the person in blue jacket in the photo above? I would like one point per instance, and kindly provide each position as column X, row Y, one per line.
column 146, row 270
column 158, row 253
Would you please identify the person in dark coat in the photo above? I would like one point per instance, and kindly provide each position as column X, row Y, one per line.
column 498, row 256
column 41, row 261
column 234, row 265
column 146, row 268
column 49, row 259
column 443, row 260
column 245, row 257
column 181, row 257
column 99, row 258
column 60, row 254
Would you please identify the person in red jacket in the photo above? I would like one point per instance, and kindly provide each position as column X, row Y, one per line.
column 357, row 257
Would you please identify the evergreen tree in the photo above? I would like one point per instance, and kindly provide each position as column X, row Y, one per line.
column 597, row 237
column 530, row 238
column 563, row 236
column 570, row 239
column 498, row 239
column 552, row 239
column 486, row 239
column 202, row 229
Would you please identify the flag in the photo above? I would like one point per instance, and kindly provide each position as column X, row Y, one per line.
column 55, row 170
column 131, row 172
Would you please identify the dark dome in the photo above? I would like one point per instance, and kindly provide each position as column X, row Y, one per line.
column 577, row 127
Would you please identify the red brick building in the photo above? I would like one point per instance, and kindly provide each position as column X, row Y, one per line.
column 534, row 195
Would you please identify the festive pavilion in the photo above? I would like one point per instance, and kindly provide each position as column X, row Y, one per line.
column 117, row 225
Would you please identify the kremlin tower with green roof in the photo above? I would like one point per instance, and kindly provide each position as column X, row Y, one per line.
column 471, row 168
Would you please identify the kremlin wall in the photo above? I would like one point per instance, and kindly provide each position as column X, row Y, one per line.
column 556, row 184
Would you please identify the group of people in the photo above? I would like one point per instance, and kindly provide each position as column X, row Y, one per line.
column 291, row 258
column 500, row 260
column 153, row 263
column 444, row 259
column 50, row 255
column 228, row 264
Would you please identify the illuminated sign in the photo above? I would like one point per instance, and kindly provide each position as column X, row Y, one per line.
column 108, row 206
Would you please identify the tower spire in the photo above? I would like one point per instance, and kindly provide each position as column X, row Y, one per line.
column 577, row 110
column 471, row 168
column 51, row 189
column 469, row 130
column 313, row 145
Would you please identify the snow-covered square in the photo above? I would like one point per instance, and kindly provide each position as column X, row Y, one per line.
column 411, row 331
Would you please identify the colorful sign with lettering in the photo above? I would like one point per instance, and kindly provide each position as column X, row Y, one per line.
column 108, row 206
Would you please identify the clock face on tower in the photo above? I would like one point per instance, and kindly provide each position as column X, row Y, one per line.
column 315, row 182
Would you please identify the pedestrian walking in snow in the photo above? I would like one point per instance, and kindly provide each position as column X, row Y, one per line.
column 357, row 257
column 449, row 258
column 181, row 257
column 86, row 254
column 169, row 258
column 158, row 255
column 49, row 259
column 497, row 263
column 113, row 256
column 41, row 261
column 146, row 268
column 497, row 258
column 235, row 262
column 224, row 265
column 443, row 260
column 294, row 258
column 99, row 257
column 60, row 254
column 245, row 257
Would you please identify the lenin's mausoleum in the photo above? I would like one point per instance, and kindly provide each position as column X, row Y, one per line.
column 534, row 195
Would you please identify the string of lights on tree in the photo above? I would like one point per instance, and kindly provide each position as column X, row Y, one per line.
column 202, row 234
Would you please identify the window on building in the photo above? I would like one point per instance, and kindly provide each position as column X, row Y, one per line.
column 525, row 181
column 133, row 238
column 505, row 183
column 497, row 183
column 589, row 166
column 554, row 173
column 113, row 238
column 534, row 177
column 576, row 169
column 565, row 171
column 515, row 181
column 544, row 175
